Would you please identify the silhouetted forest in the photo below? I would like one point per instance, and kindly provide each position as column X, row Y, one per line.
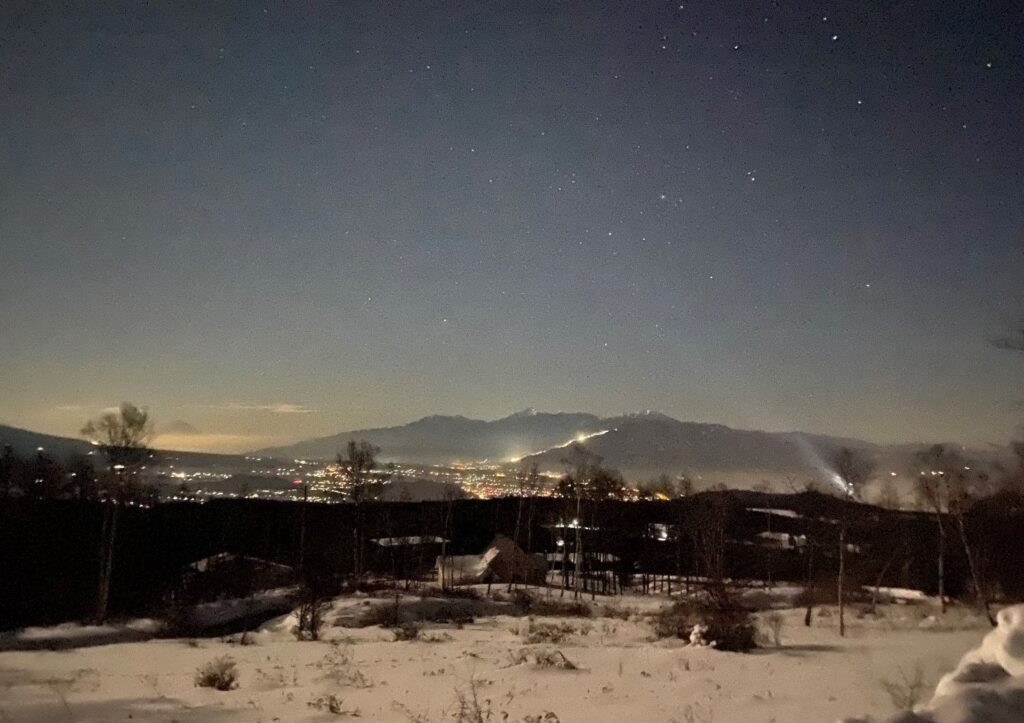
column 50, row 548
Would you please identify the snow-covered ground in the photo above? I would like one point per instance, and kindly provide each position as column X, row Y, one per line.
column 623, row 673
column 987, row 686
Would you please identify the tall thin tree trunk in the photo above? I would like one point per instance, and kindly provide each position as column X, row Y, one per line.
column 579, row 546
column 446, row 522
column 515, row 539
column 878, row 582
column 357, row 544
column 109, row 540
column 565, row 565
column 302, row 532
column 529, row 532
column 942, row 565
column 839, row 585
column 444, row 563
column 808, row 589
column 975, row 579
column 107, row 560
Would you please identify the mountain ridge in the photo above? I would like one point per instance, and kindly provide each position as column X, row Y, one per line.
column 639, row 444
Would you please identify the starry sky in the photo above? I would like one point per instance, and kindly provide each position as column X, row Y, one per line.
column 281, row 220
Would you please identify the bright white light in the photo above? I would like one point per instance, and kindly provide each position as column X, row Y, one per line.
column 841, row 483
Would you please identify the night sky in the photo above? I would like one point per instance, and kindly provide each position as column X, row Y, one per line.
column 275, row 221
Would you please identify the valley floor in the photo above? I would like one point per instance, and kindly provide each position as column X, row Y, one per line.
column 623, row 673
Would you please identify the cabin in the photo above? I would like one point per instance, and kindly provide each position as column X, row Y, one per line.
column 502, row 561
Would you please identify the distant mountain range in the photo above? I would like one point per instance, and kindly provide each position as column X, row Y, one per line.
column 640, row 445
column 26, row 442
column 443, row 440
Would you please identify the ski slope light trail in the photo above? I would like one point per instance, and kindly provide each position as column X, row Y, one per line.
column 578, row 439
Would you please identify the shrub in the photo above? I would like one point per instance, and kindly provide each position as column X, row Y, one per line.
column 727, row 628
column 387, row 616
column 526, row 604
column 616, row 612
column 407, row 631
column 220, row 674
column 540, row 633
column 471, row 707
column 331, row 703
column 451, row 613
column 436, row 637
column 522, row 601
column 337, row 666
column 311, row 618
column 390, row 616
column 464, row 593
column 562, row 608
column 553, row 659
column 542, row 658
column 906, row 692
column 535, row 632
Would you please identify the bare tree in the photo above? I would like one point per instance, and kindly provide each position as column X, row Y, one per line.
column 586, row 480
column 358, row 463
column 661, row 488
column 123, row 437
column 585, row 463
column 947, row 486
column 708, row 532
column 528, row 483
column 852, row 470
column 447, row 512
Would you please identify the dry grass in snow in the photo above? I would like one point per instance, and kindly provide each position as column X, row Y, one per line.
column 603, row 666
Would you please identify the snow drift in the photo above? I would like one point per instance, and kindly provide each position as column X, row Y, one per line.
column 987, row 685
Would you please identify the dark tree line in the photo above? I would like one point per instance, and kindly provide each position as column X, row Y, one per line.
column 50, row 563
column 86, row 538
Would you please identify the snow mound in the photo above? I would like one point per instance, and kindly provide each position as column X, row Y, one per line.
column 76, row 635
column 987, row 685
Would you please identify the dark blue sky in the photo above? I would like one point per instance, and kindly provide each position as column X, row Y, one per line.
column 279, row 220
